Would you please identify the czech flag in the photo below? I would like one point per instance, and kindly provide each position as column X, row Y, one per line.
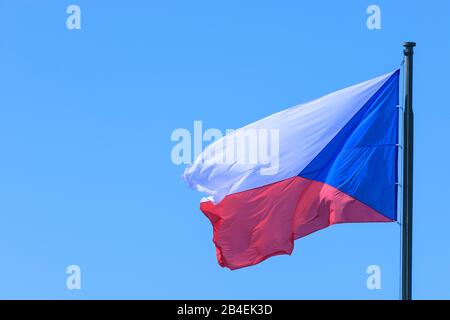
column 331, row 160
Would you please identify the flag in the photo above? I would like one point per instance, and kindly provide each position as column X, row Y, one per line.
column 332, row 160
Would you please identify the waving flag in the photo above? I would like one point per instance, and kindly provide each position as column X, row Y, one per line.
column 332, row 160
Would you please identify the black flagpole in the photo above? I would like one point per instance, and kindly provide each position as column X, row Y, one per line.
column 408, row 141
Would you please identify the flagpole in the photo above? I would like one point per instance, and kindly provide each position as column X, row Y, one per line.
column 408, row 141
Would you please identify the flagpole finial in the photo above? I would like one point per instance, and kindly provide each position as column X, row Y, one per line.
column 409, row 48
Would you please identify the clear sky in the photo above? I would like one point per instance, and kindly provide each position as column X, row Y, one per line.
column 86, row 117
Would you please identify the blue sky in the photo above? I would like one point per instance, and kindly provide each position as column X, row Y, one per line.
column 86, row 116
